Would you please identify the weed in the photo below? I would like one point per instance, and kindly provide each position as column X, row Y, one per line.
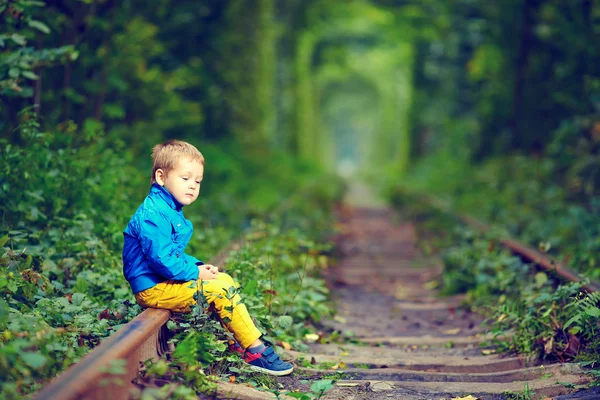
column 335, row 376
column 317, row 390
column 526, row 394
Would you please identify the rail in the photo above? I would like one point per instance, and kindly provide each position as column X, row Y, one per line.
column 527, row 253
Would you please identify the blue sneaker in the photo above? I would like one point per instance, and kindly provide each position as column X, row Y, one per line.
column 268, row 362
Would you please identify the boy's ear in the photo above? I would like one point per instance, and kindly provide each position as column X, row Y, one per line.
column 159, row 176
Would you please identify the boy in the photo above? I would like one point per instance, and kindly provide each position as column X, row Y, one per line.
column 159, row 271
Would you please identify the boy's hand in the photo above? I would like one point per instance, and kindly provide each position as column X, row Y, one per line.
column 207, row 272
column 213, row 269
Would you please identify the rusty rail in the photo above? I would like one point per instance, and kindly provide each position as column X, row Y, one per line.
column 536, row 257
column 144, row 337
column 139, row 340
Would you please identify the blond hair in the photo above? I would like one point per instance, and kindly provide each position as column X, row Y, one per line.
column 167, row 154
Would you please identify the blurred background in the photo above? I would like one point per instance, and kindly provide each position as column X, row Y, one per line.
column 353, row 87
column 468, row 99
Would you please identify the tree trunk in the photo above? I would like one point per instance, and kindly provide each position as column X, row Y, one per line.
column 37, row 91
column 521, row 65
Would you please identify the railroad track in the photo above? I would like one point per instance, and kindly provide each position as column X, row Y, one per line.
column 406, row 342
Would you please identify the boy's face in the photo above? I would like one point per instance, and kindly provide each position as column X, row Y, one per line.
column 183, row 181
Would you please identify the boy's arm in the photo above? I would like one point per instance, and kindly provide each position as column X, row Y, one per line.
column 162, row 254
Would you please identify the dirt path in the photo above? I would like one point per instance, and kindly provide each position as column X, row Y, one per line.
column 406, row 341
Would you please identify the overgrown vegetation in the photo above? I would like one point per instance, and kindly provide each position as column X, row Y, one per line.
column 502, row 134
column 549, row 318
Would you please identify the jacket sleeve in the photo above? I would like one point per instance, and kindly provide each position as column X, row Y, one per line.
column 164, row 256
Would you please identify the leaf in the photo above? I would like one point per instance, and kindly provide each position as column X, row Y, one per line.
column 3, row 313
column 575, row 330
column 12, row 286
column 593, row 312
column 18, row 39
column 575, row 318
column 286, row 345
column 29, row 75
column 311, row 337
column 40, row 26
column 34, row 360
column 33, row 3
column 541, row 278
column 300, row 396
column 321, row 386
column 431, row 285
column 250, row 286
column 171, row 325
column 78, row 298
column 285, row 321
column 3, row 240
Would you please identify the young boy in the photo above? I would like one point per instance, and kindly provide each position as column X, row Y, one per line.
column 159, row 271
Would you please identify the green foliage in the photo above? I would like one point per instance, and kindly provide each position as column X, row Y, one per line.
column 316, row 391
column 550, row 320
column 526, row 394
column 19, row 60
column 510, row 70
column 553, row 320
column 587, row 316
column 480, row 267
column 526, row 198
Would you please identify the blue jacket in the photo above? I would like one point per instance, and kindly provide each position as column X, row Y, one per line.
column 155, row 241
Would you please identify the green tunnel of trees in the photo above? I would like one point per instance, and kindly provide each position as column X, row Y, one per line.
column 474, row 77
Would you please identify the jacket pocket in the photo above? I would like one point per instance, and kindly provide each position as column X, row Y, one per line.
column 178, row 230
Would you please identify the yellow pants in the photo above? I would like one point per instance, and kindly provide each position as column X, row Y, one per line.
column 179, row 296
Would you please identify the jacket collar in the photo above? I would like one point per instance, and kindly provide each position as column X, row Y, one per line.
column 164, row 194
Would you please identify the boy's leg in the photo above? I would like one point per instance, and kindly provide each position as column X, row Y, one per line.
column 261, row 358
column 170, row 295
column 231, row 311
column 179, row 296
